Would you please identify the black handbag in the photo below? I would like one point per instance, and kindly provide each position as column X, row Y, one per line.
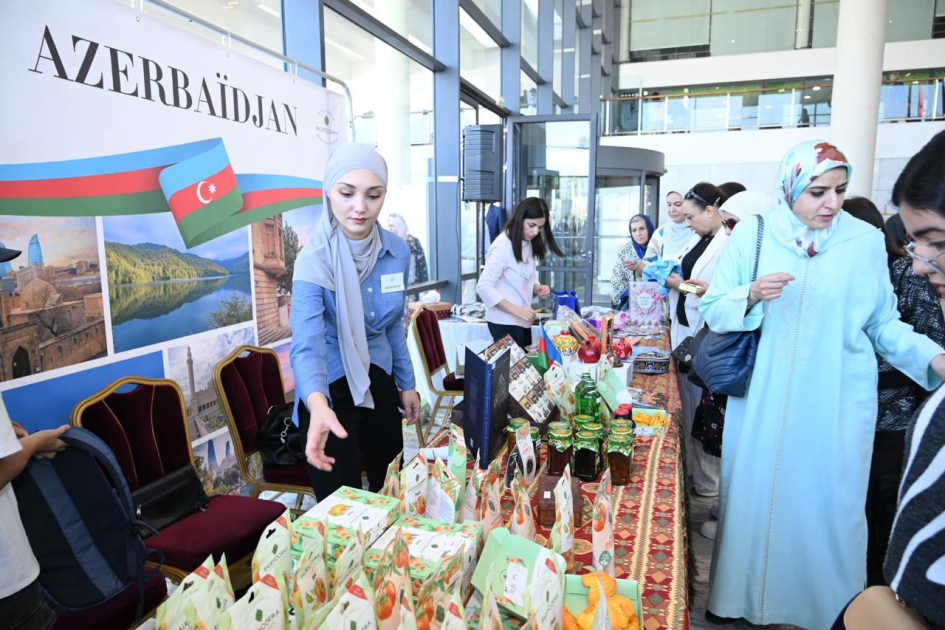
column 170, row 498
column 724, row 361
column 278, row 439
column 684, row 351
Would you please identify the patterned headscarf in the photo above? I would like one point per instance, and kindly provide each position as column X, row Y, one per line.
column 641, row 249
column 799, row 167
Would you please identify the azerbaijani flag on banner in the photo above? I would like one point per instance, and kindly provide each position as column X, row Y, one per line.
column 194, row 181
column 547, row 347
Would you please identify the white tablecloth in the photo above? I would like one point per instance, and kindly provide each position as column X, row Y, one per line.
column 453, row 333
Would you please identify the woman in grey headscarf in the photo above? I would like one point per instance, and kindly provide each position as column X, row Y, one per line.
column 418, row 267
column 348, row 340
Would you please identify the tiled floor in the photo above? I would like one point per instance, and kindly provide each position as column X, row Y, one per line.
column 702, row 548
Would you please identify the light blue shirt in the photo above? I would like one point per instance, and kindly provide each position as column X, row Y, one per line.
column 315, row 355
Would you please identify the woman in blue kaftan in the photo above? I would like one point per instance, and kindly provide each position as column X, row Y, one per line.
column 791, row 543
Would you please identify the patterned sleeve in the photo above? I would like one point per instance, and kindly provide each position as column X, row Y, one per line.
column 620, row 277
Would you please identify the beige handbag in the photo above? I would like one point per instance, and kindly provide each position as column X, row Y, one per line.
column 879, row 608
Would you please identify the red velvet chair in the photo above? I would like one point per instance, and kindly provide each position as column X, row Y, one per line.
column 247, row 387
column 426, row 329
column 147, row 430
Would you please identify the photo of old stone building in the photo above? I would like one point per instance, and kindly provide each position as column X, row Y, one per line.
column 51, row 315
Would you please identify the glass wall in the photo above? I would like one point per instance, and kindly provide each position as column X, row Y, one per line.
column 393, row 102
column 557, row 52
column 410, row 18
column 748, row 26
column 479, row 57
column 578, row 35
column 676, row 29
column 529, row 101
column 668, row 28
column 492, row 9
column 530, row 32
column 909, row 20
column 618, row 199
column 906, row 95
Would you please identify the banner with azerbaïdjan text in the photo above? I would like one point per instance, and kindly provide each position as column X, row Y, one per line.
column 160, row 186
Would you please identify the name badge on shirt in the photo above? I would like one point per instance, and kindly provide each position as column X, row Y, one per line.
column 391, row 282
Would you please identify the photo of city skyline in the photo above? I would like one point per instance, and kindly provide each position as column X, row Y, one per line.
column 51, row 303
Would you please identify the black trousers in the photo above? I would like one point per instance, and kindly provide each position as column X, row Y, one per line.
column 881, row 498
column 521, row 336
column 374, row 436
column 26, row 610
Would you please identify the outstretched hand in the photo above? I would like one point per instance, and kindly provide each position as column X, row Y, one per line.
column 323, row 420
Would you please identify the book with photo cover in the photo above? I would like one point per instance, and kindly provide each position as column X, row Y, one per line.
column 528, row 397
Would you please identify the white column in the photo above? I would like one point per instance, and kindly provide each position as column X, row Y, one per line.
column 861, row 39
column 624, row 38
column 802, row 25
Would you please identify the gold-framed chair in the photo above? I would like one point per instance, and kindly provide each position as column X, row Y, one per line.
column 146, row 428
column 426, row 330
column 248, row 382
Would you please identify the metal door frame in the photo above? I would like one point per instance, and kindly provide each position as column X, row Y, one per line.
column 511, row 123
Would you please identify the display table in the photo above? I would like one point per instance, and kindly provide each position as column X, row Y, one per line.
column 650, row 537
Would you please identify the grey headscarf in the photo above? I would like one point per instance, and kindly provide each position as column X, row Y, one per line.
column 329, row 262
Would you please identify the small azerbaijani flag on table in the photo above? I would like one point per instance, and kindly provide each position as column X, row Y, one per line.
column 194, row 181
column 547, row 347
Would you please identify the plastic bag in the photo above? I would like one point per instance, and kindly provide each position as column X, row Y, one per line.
column 523, row 517
column 442, row 494
column 558, row 384
column 459, row 458
column 263, row 607
column 472, row 497
column 348, row 563
column 392, row 583
column 441, row 594
column 602, row 533
column 414, row 479
column 310, row 588
column 351, row 607
column 272, row 551
column 391, row 487
column 562, row 534
column 200, row 600
column 490, row 508
column 489, row 616
column 546, row 593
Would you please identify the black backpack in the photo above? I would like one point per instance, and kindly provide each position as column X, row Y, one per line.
column 80, row 521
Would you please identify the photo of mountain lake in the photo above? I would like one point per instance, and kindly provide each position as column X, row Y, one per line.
column 158, row 291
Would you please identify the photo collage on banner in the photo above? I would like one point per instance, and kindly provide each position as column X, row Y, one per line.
column 159, row 219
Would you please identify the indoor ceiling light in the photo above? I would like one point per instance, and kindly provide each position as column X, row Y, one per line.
column 816, row 88
column 269, row 10
column 344, row 49
column 806, row 96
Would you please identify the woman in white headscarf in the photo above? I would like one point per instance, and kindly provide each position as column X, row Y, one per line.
column 709, row 418
column 349, row 350
column 791, row 542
